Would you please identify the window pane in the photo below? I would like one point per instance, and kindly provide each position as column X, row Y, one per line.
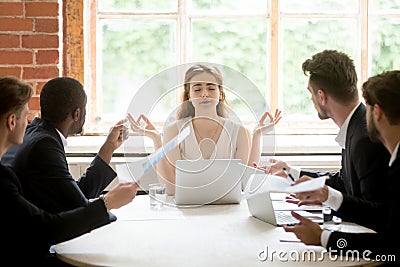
column 240, row 44
column 303, row 38
column 319, row 6
column 230, row 5
column 384, row 44
column 384, row 5
column 133, row 50
column 138, row 5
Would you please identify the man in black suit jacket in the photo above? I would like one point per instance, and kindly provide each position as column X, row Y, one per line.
column 26, row 230
column 40, row 162
column 333, row 88
column 382, row 95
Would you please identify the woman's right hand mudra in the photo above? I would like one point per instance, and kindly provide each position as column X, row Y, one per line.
column 148, row 129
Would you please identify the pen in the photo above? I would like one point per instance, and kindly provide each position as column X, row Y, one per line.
column 290, row 240
column 288, row 174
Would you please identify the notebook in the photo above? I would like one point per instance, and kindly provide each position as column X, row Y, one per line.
column 261, row 207
column 215, row 181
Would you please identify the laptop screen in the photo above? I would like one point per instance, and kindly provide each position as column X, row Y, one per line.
column 200, row 182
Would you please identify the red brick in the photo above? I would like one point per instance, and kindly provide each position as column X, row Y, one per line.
column 40, row 72
column 34, row 103
column 11, row 9
column 16, row 24
column 32, row 84
column 39, row 87
column 46, row 25
column 43, row 9
column 47, row 57
column 40, row 41
column 13, row 71
column 9, row 41
column 16, row 57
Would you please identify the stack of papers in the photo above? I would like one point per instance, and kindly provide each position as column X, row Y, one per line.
column 273, row 183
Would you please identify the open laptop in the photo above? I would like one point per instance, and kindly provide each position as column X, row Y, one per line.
column 261, row 207
column 214, row 181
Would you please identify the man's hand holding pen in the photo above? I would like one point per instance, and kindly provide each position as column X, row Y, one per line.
column 288, row 174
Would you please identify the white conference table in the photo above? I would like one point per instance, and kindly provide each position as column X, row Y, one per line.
column 212, row 235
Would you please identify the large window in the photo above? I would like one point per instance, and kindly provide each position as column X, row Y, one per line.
column 128, row 42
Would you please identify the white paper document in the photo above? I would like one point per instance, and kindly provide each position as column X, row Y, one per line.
column 135, row 170
column 273, row 183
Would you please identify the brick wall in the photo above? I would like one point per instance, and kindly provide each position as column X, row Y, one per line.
column 29, row 43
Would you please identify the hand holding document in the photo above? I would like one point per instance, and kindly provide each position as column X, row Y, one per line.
column 287, row 187
column 273, row 183
column 135, row 170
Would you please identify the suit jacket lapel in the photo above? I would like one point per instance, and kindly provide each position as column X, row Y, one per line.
column 396, row 164
column 354, row 126
column 358, row 116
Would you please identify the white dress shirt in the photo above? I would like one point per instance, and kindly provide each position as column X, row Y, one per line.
column 394, row 155
column 63, row 139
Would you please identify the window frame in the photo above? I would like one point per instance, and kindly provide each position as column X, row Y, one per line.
column 84, row 51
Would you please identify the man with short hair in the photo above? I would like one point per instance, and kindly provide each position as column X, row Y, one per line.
column 40, row 162
column 333, row 88
column 382, row 96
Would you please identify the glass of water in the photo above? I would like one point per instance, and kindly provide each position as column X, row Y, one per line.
column 157, row 195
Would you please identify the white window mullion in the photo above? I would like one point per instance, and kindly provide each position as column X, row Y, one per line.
column 363, row 45
column 275, row 95
column 183, row 32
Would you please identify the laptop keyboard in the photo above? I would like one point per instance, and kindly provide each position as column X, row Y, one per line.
column 283, row 205
column 285, row 218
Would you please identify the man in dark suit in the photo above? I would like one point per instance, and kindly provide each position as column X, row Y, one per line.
column 382, row 96
column 26, row 230
column 333, row 88
column 40, row 162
